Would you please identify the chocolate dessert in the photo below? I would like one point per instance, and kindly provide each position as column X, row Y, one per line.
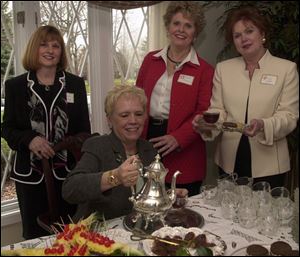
column 190, row 240
column 229, row 124
column 256, row 250
column 280, row 248
column 233, row 126
column 294, row 253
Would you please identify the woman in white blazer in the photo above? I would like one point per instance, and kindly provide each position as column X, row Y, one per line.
column 257, row 89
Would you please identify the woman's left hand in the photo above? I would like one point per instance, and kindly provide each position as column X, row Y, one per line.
column 256, row 126
column 164, row 144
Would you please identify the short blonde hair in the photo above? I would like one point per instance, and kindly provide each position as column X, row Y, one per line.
column 43, row 34
column 118, row 91
column 189, row 9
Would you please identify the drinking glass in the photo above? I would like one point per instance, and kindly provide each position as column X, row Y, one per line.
column 246, row 181
column 262, row 197
column 180, row 201
column 282, row 204
column 209, row 194
column 262, row 186
column 278, row 192
column 244, row 193
column 267, row 224
column 246, row 213
column 211, row 117
column 229, row 204
column 226, row 182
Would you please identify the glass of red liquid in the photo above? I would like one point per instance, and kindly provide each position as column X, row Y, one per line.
column 211, row 117
column 180, row 201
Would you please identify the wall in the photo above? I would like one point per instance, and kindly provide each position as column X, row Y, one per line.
column 208, row 45
column 11, row 234
column 209, row 42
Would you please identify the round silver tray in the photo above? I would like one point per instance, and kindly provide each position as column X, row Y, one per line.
column 183, row 217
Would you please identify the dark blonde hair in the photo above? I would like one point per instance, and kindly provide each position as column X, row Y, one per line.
column 117, row 91
column 43, row 34
column 245, row 13
column 189, row 9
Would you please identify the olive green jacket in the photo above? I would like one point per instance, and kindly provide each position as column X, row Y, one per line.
column 82, row 186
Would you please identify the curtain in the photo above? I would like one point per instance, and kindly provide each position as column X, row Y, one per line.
column 123, row 5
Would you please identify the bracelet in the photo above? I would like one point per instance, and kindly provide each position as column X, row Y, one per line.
column 112, row 179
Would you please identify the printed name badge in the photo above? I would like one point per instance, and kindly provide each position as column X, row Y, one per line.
column 70, row 98
column 186, row 79
column 268, row 79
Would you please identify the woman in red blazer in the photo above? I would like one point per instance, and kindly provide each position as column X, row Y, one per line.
column 178, row 84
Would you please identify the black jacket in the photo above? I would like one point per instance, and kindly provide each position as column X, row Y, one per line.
column 16, row 126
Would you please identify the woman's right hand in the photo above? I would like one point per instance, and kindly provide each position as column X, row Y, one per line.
column 200, row 125
column 41, row 148
column 127, row 172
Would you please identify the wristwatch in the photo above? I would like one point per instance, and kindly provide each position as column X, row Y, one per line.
column 112, row 179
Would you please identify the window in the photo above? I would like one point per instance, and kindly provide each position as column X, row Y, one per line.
column 7, row 71
column 130, row 40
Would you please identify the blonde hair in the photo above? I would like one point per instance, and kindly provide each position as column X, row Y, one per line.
column 189, row 9
column 43, row 34
column 114, row 94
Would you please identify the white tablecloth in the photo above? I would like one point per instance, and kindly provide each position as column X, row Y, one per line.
column 234, row 235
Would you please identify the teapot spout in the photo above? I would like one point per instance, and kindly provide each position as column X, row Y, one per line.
column 173, row 186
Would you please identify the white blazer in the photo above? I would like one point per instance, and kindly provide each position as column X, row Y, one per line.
column 273, row 96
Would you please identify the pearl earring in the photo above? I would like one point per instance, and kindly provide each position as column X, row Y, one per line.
column 263, row 40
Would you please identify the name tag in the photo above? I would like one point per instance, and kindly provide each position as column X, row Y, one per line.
column 186, row 79
column 268, row 79
column 70, row 98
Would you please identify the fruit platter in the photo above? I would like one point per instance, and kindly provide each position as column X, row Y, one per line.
column 78, row 240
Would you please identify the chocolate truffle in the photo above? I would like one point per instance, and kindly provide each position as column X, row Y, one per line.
column 257, row 250
column 280, row 248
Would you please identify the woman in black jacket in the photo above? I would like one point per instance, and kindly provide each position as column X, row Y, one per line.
column 42, row 107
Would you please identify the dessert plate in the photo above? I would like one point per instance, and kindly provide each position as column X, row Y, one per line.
column 218, row 249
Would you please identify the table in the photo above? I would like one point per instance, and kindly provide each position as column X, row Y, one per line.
column 234, row 235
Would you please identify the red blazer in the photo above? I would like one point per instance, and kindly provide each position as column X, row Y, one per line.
column 186, row 102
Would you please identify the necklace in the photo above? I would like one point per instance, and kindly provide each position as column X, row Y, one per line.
column 46, row 87
column 169, row 58
column 130, row 154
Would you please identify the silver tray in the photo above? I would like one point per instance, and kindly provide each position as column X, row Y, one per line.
column 183, row 217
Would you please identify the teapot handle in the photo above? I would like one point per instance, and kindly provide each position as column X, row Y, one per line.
column 132, row 190
column 140, row 166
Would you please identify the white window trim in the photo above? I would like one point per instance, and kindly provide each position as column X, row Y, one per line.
column 10, row 212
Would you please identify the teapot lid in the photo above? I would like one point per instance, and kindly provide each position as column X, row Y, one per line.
column 156, row 165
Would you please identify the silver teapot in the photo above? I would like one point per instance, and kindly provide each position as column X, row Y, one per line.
column 153, row 200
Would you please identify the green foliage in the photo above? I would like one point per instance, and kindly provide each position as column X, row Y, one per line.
column 182, row 251
column 6, row 15
column 87, row 87
column 117, row 82
column 284, row 26
column 204, row 251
